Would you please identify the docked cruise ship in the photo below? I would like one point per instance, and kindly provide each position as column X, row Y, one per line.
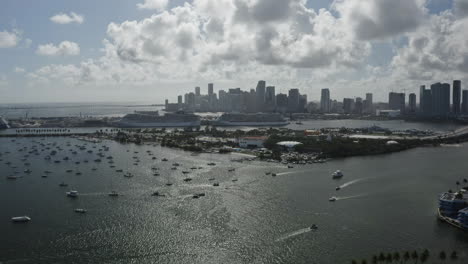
column 258, row 119
column 3, row 123
column 144, row 119
column 453, row 209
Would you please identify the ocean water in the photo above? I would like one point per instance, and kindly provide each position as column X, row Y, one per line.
column 387, row 203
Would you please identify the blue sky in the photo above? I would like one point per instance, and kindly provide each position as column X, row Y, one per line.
column 375, row 55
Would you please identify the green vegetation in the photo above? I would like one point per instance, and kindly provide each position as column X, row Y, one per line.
column 411, row 257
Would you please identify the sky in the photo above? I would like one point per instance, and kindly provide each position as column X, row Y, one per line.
column 150, row 50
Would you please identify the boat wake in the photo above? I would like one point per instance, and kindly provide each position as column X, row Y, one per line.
column 293, row 234
column 451, row 145
column 288, row 173
column 350, row 197
column 346, row 184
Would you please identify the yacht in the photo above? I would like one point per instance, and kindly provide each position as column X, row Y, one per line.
column 337, row 174
column 72, row 194
column 21, row 219
column 332, row 199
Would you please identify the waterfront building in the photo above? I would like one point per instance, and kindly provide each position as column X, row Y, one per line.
column 368, row 104
column 348, row 105
column 293, row 100
column 270, row 99
column 388, row 113
column 412, row 102
column 456, row 97
column 210, row 89
column 325, row 101
column 358, row 106
column 197, row 91
column 179, row 99
column 282, row 102
column 260, row 93
column 440, row 100
column 464, row 106
column 252, row 142
column 396, row 101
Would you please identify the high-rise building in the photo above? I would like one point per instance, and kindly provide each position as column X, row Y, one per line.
column 210, row 89
column 302, row 103
column 368, row 103
column 293, row 100
column 325, row 101
column 270, row 99
column 179, row 99
column 464, row 107
column 260, row 93
column 396, row 101
column 282, row 102
column 456, row 97
column 197, row 91
column 348, row 105
column 440, row 99
column 425, row 101
column 422, row 88
column 358, row 106
column 412, row 102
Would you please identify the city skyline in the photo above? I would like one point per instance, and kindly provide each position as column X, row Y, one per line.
column 57, row 51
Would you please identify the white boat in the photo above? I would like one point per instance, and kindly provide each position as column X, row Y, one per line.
column 72, row 194
column 337, row 174
column 21, row 219
column 332, row 199
column 80, row 210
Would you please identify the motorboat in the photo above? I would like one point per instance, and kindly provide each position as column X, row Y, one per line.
column 273, row 174
column 69, row 170
column 113, row 194
column 21, row 219
column 337, row 174
column 128, row 175
column 27, row 171
column 12, row 177
column 290, row 166
column 164, row 159
column 231, row 170
column 332, row 199
column 211, row 164
column 215, row 184
column 187, row 179
column 338, row 188
column 62, row 184
column 80, row 210
column 72, row 194
column 313, row 227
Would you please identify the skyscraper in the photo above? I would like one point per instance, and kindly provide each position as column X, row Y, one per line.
column 293, row 100
column 325, row 101
column 464, row 108
column 425, row 101
column 440, row 99
column 179, row 99
column 260, row 93
column 282, row 102
column 210, row 89
column 412, row 102
column 456, row 99
column 197, row 91
column 270, row 99
column 396, row 101
column 369, row 103
column 358, row 105
column 348, row 105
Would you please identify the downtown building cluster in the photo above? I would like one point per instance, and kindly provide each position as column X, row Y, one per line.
column 261, row 99
column 356, row 105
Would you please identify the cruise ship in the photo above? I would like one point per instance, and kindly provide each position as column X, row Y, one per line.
column 453, row 209
column 3, row 123
column 258, row 119
column 144, row 119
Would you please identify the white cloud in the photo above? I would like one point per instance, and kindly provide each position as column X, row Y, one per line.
column 153, row 4
column 19, row 70
column 461, row 7
column 63, row 18
column 380, row 19
column 9, row 39
column 65, row 48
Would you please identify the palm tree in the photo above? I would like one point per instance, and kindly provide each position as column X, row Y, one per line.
column 396, row 256
column 381, row 256
column 442, row 255
column 375, row 259
column 364, row 261
column 465, row 180
column 424, row 256
column 353, row 261
column 454, row 255
column 389, row 257
column 414, row 256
